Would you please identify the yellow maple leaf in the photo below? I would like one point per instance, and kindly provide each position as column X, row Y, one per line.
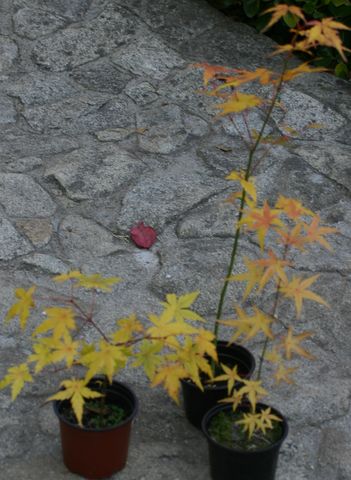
column 106, row 360
column 282, row 374
column 300, row 70
column 297, row 289
column 246, row 184
column 170, row 376
column 42, row 351
column 65, row 349
column 238, row 102
column 147, row 357
column 178, row 307
column 249, row 423
column 265, row 420
column 241, row 324
column 230, row 375
column 63, row 277
column 205, row 345
column 291, row 344
column 23, row 306
column 16, row 377
column 252, row 276
column 254, row 390
column 97, row 282
column 127, row 327
column 60, row 320
column 76, row 391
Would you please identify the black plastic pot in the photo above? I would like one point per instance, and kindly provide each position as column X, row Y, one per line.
column 230, row 464
column 198, row 402
column 98, row 453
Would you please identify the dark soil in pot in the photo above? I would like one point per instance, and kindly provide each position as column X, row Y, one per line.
column 99, row 448
column 198, row 402
column 231, row 456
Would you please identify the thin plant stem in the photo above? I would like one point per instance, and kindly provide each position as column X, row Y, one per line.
column 243, row 198
column 272, row 314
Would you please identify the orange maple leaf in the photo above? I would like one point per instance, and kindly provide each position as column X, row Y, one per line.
column 291, row 344
column 279, row 11
column 273, row 267
column 298, row 290
column 260, row 220
column 292, row 208
column 211, row 72
column 326, row 33
column 315, row 233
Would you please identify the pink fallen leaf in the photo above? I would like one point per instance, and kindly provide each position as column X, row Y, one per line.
column 143, row 236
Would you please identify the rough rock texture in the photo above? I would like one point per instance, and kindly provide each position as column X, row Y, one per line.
column 102, row 126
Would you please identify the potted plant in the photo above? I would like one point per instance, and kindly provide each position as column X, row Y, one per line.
column 231, row 89
column 244, row 435
column 95, row 411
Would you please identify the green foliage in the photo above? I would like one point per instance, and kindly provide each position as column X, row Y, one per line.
column 252, row 12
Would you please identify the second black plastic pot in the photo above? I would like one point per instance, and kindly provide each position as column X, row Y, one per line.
column 198, row 402
column 234, row 464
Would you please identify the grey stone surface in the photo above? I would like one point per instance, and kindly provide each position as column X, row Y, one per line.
column 83, row 176
column 8, row 112
column 8, row 53
column 34, row 23
column 21, row 196
column 83, row 238
column 12, row 244
column 103, row 126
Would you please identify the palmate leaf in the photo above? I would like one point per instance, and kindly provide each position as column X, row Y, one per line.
column 291, row 344
column 279, row 11
column 254, row 390
column 261, row 220
column 315, row 233
column 128, row 326
column 147, row 357
column 231, row 376
column 170, row 376
column 42, row 354
column 178, row 307
column 106, row 360
column 60, row 320
column 297, row 289
column 23, row 306
column 239, row 102
column 76, row 391
column 252, row 276
column 17, row 376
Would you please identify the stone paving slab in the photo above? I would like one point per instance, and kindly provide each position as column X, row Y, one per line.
column 101, row 127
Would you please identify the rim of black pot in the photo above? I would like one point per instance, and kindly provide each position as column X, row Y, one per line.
column 223, row 385
column 214, row 410
column 133, row 399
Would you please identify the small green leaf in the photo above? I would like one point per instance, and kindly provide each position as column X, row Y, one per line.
column 342, row 71
column 290, row 19
column 251, row 7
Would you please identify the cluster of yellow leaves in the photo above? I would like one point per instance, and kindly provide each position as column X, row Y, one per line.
column 294, row 227
column 170, row 346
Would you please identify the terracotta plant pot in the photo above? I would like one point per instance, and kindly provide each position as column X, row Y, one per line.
column 234, row 464
column 98, row 453
column 198, row 402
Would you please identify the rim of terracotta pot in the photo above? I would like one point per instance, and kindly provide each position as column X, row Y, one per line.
column 211, row 413
column 133, row 401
